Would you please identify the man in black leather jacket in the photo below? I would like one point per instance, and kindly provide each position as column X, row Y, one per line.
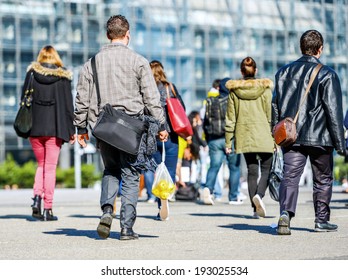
column 319, row 128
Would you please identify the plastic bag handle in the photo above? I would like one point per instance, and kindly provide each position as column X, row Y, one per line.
column 163, row 152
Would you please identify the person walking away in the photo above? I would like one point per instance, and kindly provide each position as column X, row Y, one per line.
column 126, row 83
column 172, row 145
column 52, row 124
column 214, row 129
column 319, row 130
column 204, row 153
column 251, row 131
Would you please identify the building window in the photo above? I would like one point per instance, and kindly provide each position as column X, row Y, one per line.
column 26, row 30
column 199, row 40
column 199, row 69
column 8, row 30
column 41, row 32
column 93, row 33
column 9, row 64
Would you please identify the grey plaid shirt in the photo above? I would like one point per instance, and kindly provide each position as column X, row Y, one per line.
column 125, row 81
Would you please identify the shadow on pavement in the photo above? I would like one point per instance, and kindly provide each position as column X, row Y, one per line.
column 90, row 233
column 227, row 215
column 23, row 217
column 85, row 216
column 261, row 228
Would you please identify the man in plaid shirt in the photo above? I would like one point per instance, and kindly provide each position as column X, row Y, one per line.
column 126, row 82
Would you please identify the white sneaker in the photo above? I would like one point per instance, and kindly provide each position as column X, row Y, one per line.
column 164, row 211
column 242, row 196
column 235, row 202
column 207, row 197
column 260, row 206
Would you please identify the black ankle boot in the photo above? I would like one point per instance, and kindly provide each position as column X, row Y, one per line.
column 48, row 215
column 105, row 222
column 37, row 207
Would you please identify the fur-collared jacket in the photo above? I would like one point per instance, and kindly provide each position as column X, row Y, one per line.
column 248, row 116
column 52, row 105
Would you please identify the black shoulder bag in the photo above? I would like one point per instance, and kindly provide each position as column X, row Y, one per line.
column 23, row 121
column 115, row 127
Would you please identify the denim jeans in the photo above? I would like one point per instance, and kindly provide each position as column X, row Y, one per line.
column 171, row 160
column 217, row 155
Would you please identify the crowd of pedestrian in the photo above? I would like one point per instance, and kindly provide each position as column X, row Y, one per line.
column 235, row 122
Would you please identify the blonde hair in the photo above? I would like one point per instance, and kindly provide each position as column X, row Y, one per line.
column 48, row 54
column 158, row 72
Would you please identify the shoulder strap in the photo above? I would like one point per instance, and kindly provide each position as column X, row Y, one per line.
column 172, row 90
column 313, row 75
column 29, row 89
column 95, row 79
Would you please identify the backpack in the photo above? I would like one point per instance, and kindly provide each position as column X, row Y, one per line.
column 215, row 113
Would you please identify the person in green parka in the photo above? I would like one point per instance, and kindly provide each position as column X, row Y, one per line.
column 248, row 122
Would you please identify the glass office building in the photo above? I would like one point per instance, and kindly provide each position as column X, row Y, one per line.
column 196, row 40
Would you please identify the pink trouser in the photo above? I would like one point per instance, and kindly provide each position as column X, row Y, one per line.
column 46, row 150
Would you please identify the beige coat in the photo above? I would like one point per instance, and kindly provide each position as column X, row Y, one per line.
column 248, row 116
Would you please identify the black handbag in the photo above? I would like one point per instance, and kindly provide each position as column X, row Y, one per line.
column 115, row 127
column 276, row 174
column 23, row 121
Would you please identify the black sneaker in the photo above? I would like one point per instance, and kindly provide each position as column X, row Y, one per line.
column 322, row 227
column 284, row 224
column 128, row 234
column 105, row 222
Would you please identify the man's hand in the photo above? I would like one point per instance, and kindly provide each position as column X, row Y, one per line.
column 228, row 150
column 163, row 135
column 72, row 139
column 81, row 139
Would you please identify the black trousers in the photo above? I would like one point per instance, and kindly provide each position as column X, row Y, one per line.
column 321, row 159
column 256, row 162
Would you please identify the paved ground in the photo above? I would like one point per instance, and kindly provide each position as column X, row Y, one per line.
column 194, row 231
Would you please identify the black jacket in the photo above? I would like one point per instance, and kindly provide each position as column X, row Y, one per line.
column 320, row 121
column 52, row 101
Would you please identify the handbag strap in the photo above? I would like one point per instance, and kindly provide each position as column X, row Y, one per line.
column 313, row 75
column 163, row 152
column 29, row 89
column 172, row 89
column 95, row 79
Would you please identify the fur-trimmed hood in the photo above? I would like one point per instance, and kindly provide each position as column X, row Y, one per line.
column 249, row 89
column 49, row 73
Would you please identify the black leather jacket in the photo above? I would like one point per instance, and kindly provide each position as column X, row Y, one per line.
column 320, row 121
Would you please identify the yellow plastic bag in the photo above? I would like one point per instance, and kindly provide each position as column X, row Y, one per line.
column 163, row 186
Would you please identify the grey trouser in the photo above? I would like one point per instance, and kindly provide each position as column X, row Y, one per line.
column 118, row 171
column 321, row 159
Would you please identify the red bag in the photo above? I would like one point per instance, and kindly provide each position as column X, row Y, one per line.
column 177, row 115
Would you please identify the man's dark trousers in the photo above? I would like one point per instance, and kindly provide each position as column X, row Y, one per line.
column 321, row 159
